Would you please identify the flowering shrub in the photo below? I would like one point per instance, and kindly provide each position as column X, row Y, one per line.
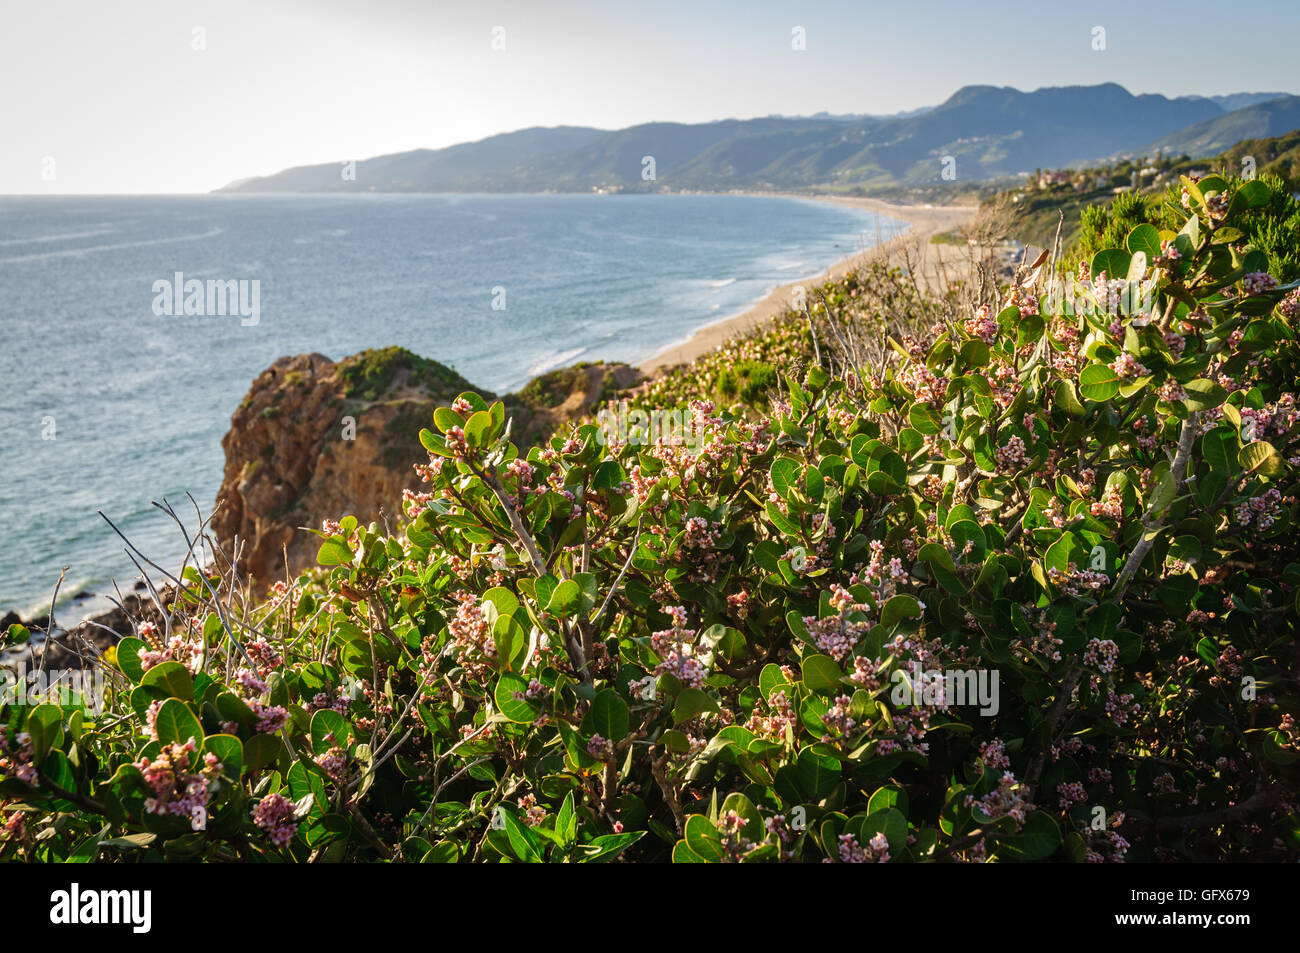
column 1022, row 589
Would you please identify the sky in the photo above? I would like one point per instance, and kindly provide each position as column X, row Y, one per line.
column 172, row 96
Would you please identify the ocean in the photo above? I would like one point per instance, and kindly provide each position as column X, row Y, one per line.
column 111, row 398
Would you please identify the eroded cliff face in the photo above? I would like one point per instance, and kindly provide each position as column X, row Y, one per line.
column 316, row 440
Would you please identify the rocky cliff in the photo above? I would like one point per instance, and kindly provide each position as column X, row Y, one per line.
column 315, row 439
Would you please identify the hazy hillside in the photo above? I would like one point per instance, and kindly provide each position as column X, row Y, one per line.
column 1214, row 135
column 989, row 131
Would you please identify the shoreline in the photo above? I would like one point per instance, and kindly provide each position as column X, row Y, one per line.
column 922, row 221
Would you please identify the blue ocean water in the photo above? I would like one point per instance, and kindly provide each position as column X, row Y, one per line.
column 105, row 405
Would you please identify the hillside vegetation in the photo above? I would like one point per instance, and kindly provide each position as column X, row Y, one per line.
column 1132, row 191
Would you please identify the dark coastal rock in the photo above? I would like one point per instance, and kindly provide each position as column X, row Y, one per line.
column 78, row 646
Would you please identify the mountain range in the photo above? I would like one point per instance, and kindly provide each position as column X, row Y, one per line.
column 980, row 132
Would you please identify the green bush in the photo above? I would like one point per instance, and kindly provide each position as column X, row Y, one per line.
column 1068, row 527
column 746, row 381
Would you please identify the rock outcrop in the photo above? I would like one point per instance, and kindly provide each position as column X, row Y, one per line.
column 315, row 440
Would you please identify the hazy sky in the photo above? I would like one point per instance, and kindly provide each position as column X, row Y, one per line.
column 109, row 96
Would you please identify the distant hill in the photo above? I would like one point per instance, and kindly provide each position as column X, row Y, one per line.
column 1237, row 101
column 1278, row 156
column 989, row 131
column 1212, row 136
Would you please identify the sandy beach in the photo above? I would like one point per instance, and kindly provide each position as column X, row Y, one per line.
column 924, row 221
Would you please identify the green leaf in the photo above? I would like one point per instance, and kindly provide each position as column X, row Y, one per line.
column 176, row 724
column 817, row 774
column 565, row 600
column 1219, row 447
column 923, row 418
column 1255, row 193
column 1067, row 400
column 821, row 674
column 785, row 474
column 608, row 716
column 433, row 442
column 566, row 822
column 886, row 797
column 1146, row 239
column 172, row 678
column 1113, row 261
column 1062, row 552
column 771, row 677
column 608, row 846
column 898, row 608
column 45, row 725
column 889, row 822
column 525, row 844
column 703, row 839
column 229, row 751
column 478, row 429
column 1203, row 395
column 503, row 600
column 232, row 708
column 517, row 709
column 88, row 850
column 334, row 552
column 444, row 418
column 975, row 353
column 327, row 723
column 691, row 702
column 1261, row 457
column 261, row 751
column 1098, row 383
column 1037, row 840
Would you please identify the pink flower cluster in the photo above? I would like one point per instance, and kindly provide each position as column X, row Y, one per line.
column 334, row 763
column 1111, row 504
column 779, row 717
column 837, row 717
column 685, row 668
column 533, row 814
column 835, row 635
column 1128, row 368
column 600, row 748
column 181, row 647
column 1011, row 456
column 1077, row 581
column 1006, row 800
column 983, row 326
column 1101, row 654
column 17, row 763
column 1262, row 510
column 993, row 754
column 875, row 852
column 1258, row 282
column 175, row 790
column 274, row 814
column 1070, row 793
